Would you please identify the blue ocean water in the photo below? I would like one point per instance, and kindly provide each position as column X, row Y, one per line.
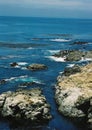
column 29, row 40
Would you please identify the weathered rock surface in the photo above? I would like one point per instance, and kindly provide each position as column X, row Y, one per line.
column 74, row 94
column 25, row 105
column 35, row 67
column 74, row 55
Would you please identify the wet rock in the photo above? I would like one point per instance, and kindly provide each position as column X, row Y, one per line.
column 26, row 84
column 71, row 70
column 3, row 81
column 74, row 94
column 80, row 42
column 25, row 105
column 35, row 67
column 36, row 39
column 74, row 55
column 14, row 64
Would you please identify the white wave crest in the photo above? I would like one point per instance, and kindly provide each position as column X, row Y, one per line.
column 22, row 63
column 57, row 59
column 90, row 43
column 24, row 78
column 29, row 48
column 85, row 59
column 59, row 40
column 53, row 51
column 15, row 78
column 70, row 65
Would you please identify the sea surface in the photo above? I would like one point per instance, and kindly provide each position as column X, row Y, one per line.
column 28, row 40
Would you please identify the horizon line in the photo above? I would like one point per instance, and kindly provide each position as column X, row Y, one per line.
column 44, row 17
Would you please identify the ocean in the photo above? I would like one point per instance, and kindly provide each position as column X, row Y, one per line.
column 28, row 40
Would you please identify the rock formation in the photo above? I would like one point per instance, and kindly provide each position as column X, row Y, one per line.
column 35, row 67
column 74, row 94
column 74, row 55
column 25, row 105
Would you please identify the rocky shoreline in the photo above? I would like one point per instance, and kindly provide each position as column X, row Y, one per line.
column 25, row 106
column 74, row 93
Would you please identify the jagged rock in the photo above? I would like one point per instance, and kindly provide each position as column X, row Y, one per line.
column 35, row 67
column 25, row 105
column 73, row 55
column 74, row 95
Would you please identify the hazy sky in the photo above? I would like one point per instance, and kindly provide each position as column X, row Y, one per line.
column 47, row 8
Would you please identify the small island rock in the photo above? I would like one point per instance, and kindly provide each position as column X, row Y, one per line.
column 35, row 67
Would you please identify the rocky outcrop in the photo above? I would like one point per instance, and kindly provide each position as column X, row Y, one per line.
column 35, row 67
column 74, row 55
column 71, row 70
column 74, row 94
column 25, row 105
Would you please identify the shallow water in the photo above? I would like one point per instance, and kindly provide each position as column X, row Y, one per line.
column 35, row 40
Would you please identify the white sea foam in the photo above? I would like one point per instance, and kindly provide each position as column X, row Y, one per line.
column 28, row 79
column 53, row 51
column 17, row 66
column 57, row 59
column 61, row 72
column 11, row 56
column 23, row 68
column 90, row 43
column 22, row 63
column 60, row 40
column 85, row 59
column 70, row 65
column 12, row 78
column 15, row 78
column 30, row 48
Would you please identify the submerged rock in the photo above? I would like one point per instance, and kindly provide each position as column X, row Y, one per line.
column 74, row 55
column 74, row 94
column 25, row 105
column 3, row 81
column 35, row 67
column 14, row 64
column 80, row 42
